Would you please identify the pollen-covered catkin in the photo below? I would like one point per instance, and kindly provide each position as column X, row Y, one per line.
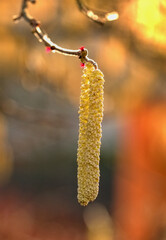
column 90, row 132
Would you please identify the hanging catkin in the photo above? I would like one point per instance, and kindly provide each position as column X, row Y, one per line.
column 90, row 132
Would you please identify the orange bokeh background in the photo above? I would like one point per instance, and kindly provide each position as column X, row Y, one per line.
column 39, row 100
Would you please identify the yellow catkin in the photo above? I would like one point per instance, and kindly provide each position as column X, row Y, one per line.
column 90, row 132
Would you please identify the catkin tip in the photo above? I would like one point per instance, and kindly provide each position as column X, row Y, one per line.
column 83, row 203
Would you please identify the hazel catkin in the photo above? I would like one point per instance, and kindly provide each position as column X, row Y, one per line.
column 90, row 133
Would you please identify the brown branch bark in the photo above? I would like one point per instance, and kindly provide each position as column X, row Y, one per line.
column 81, row 53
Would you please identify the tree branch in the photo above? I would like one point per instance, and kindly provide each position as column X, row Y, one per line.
column 81, row 53
column 98, row 17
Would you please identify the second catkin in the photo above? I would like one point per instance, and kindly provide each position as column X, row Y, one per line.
column 90, row 132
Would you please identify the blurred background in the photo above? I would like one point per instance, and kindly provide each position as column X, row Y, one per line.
column 39, row 100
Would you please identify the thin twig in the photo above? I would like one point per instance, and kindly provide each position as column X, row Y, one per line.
column 81, row 53
column 97, row 16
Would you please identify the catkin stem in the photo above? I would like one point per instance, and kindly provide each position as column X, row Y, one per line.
column 91, row 115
